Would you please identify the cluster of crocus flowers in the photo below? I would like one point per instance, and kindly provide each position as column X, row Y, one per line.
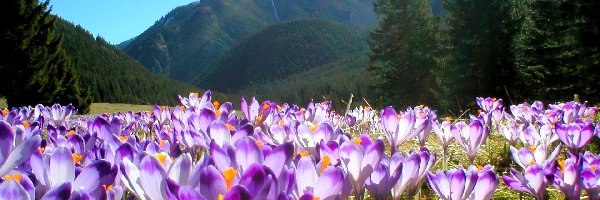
column 203, row 149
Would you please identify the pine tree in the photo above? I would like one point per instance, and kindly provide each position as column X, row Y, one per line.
column 35, row 68
column 403, row 50
column 481, row 60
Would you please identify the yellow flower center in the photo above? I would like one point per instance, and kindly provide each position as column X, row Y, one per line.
column 77, row 158
column 357, row 141
column 281, row 123
column 195, row 94
column 107, row 187
column 448, row 119
column 532, row 148
column 561, row 164
column 303, row 153
column 123, row 138
column 70, row 133
column 220, row 197
column 163, row 108
column 259, row 143
column 229, row 174
column 229, row 127
column 325, row 161
column 15, row 177
column 162, row 157
column 313, row 127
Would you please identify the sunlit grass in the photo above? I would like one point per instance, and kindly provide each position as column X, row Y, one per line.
column 3, row 103
column 100, row 108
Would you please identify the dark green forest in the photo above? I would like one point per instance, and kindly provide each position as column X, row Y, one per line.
column 34, row 66
column 280, row 51
column 515, row 50
column 113, row 76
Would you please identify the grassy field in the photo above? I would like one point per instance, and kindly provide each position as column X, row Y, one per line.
column 3, row 103
column 100, row 108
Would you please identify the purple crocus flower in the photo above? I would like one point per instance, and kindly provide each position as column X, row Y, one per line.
column 444, row 133
column 492, row 109
column 527, row 156
column 12, row 156
column 383, row 179
column 327, row 183
column 471, row 136
column 567, row 177
column 590, row 175
column 459, row 184
column 414, row 168
column 575, row 135
column 425, row 116
column 399, row 127
column 360, row 157
column 533, row 181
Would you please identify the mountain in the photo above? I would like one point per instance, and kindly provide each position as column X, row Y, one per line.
column 190, row 37
column 282, row 50
column 113, row 76
column 334, row 82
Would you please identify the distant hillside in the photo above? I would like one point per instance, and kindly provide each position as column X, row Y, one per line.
column 190, row 37
column 282, row 50
column 112, row 75
column 334, row 81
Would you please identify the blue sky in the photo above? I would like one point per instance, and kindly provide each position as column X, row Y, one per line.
column 114, row 20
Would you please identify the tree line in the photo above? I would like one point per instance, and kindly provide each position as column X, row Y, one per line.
column 510, row 49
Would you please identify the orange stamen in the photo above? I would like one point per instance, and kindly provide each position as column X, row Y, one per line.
column 531, row 163
column 196, row 94
column 281, row 123
column 220, row 197
column 229, row 127
column 479, row 167
column 70, row 133
column 357, row 141
column 182, row 108
column 229, row 174
column 259, row 143
column 279, row 108
column 532, row 148
column 41, row 149
column 313, row 127
column 479, row 111
column 5, row 111
column 316, row 198
column 77, row 158
column 265, row 106
column 448, row 118
column 561, row 164
column 163, row 108
column 107, row 187
column 593, row 168
column 421, row 114
column 123, row 138
column 161, row 143
column 15, row 177
column 399, row 116
column 325, row 161
column 162, row 157
column 26, row 124
column 303, row 153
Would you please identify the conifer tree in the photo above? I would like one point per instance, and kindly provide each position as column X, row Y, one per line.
column 403, row 50
column 35, row 68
